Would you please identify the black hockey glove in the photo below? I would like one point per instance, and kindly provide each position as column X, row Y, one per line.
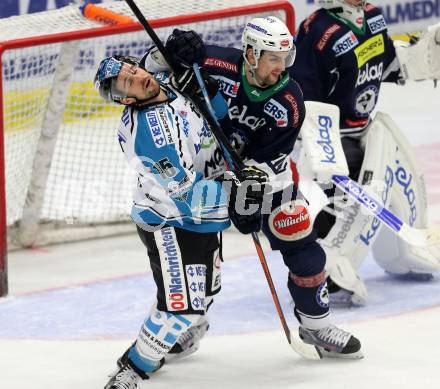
column 185, row 48
column 247, row 193
column 186, row 82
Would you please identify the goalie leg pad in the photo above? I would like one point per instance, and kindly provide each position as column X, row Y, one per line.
column 408, row 202
column 355, row 231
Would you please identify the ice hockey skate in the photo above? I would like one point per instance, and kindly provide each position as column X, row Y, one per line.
column 332, row 342
column 189, row 342
column 126, row 377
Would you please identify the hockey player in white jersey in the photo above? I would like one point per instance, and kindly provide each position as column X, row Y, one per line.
column 344, row 54
column 180, row 203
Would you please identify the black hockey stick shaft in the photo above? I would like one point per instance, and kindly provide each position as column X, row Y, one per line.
column 221, row 137
column 137, row 12
column 227, row 149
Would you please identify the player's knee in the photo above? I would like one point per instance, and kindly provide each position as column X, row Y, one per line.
column 306, row 262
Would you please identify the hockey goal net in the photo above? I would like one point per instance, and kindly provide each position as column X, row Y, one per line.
column 62, row 175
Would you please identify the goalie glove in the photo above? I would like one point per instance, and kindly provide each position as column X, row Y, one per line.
column 248, row 186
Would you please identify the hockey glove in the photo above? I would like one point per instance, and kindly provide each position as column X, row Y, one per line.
column 186, row 82
column 247, row 193
column 185, row 48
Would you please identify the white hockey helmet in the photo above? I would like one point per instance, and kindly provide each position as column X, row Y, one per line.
column 351, row 12
column 269, row 34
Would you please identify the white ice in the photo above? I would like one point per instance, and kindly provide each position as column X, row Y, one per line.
column 74, row 308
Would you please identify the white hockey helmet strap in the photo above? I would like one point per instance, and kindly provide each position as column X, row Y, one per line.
column 267, row 34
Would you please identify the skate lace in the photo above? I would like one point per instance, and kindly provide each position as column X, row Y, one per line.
column 187, row 336
column 126, row 379
column 334, row 335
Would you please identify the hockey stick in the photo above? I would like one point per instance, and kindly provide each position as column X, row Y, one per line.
column 414, row 236
column 306, row 350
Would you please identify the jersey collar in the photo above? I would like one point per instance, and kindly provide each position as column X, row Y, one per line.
column 350, row 25
column 256, row 94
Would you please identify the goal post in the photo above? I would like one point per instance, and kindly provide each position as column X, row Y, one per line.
column 62, row 175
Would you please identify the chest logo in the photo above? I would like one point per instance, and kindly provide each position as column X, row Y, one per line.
column 369, row 49
column 345, row 43
column 277, row 111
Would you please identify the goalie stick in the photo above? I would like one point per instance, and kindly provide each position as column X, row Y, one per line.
column 414, row 236
column 233, row 160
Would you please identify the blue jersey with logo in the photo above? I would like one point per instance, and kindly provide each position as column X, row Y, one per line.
column 339, row 64
column 262, row 123
column 176, row 158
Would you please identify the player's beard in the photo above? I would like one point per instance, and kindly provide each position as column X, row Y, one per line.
column 152, row 92
column 268, row 80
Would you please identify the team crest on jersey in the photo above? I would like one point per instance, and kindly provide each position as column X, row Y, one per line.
column 322, row 297
column 228, row 86
column 274, row 109
column 365, row 100
column 369, row 49
column 377, row 24
column 291, row 221
column 345, row 43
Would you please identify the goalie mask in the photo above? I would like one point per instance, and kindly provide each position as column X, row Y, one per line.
column 352, row 11
column 267, row 34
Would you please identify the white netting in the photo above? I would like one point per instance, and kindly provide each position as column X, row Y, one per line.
column 89, row 182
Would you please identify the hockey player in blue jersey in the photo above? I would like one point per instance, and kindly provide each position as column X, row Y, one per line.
column 266, row 112
column 179, row 205
column 344, row 53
